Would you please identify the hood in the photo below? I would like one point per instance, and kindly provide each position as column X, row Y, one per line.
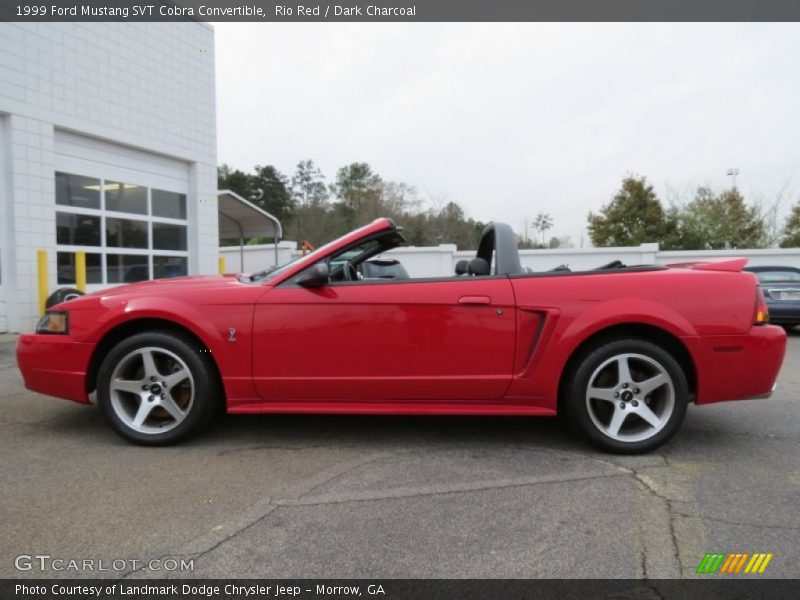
column 172, row 283
column 174, row 286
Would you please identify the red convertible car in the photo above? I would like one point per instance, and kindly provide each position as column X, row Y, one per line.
column 621, row 349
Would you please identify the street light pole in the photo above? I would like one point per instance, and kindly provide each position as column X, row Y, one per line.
column 733, row 173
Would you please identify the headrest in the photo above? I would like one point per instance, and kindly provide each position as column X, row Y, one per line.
column 479, row 266
column 462, row 267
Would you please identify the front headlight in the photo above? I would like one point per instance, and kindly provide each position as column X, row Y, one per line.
column 56, row 322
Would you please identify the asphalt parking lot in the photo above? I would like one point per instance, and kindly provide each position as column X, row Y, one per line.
column 337, row 496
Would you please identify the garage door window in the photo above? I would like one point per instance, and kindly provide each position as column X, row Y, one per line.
column 78, row 191
column 66, row 268
column 129, row 231
column 169, row 204
column 77, row 230
column 125, row 233
column 126, row 197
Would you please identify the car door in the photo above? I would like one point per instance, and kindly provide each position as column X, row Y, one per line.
column 386, row 341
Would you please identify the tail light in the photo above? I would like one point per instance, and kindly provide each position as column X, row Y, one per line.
column 762, row 311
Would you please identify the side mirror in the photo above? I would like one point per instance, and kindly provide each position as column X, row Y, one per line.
column 316, row 275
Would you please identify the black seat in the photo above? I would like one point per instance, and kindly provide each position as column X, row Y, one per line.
column 614, row 264
column 462, row 267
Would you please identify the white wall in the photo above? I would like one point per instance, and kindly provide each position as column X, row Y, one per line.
column 148, row 86
column 439, row 261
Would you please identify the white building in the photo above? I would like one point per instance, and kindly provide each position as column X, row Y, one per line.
column 107, row 145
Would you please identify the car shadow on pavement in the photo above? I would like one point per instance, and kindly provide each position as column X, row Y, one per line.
column 81, row 424
column 393, row 430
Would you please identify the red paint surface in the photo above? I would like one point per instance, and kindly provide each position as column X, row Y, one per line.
column 464, row 345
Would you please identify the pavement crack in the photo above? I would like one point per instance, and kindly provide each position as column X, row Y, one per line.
column 401, row 493
column 277, row 447
column 236, row 533
column 649, row 486
column 345, row 469
column 266, row 508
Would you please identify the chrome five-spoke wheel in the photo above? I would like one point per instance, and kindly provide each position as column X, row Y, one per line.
column 152, row 390
column 159, row 387
column 627, row 395
column 630, row 397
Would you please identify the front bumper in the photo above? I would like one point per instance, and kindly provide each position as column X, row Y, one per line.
column 55, row 365
column 738, row 367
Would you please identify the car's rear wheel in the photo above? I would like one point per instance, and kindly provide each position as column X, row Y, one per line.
column 156, row 388
column 627, row 395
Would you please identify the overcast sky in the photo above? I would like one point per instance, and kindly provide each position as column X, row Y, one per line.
column 513, row 119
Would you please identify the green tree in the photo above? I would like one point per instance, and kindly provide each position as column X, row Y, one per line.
column 543, row 223
column 307, row 183
column 633, row 216
column 791, row 237
column 237, row 181
column 273, row 193
column 267, row 188
column 358, row 191
column 302, row 204
column 448, row 224
column 718, row 221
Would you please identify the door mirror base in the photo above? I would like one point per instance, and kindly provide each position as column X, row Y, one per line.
column 317, row 275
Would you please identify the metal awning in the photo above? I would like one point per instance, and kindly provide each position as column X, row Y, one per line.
column 240, row 218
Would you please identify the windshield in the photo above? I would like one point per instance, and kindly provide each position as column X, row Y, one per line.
column 272, row 272
column 775, row 276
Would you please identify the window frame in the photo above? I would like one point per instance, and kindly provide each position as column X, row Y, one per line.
column 104, row 249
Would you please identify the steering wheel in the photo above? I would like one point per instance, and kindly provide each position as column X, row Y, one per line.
column 349, row 272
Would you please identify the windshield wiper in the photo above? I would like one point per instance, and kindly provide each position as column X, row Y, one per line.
column 263, row 273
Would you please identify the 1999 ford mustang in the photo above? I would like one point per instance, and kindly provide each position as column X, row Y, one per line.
column 622, row 350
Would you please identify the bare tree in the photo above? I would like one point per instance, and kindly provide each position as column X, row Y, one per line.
column 769, row 211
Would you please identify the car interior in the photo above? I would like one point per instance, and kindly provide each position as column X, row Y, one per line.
column 497, row 254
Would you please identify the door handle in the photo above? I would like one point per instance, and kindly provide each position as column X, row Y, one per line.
column 475, row 300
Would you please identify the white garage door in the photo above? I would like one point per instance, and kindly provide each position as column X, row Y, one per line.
column 127, row 209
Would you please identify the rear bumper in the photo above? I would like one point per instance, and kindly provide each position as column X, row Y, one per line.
column 54, row 365
column 784, row 312
column 738, row 367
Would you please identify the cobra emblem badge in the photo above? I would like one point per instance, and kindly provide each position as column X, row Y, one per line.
column 232, row 335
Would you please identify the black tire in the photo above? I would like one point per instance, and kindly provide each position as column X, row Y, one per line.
column 166, row 346
column 62, row 295
column 591, row 364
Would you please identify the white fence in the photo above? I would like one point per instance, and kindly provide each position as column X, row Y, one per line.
column 251, row 259
column 439, row 261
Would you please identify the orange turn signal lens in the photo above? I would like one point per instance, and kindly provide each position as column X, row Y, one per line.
column 54, row 323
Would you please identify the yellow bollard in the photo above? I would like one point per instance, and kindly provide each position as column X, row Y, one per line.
column 80, row 271
column 222, row 266
column 41, row 258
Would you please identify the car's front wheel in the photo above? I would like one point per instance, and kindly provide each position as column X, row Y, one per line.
column 627, row 395
column 156, row 388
